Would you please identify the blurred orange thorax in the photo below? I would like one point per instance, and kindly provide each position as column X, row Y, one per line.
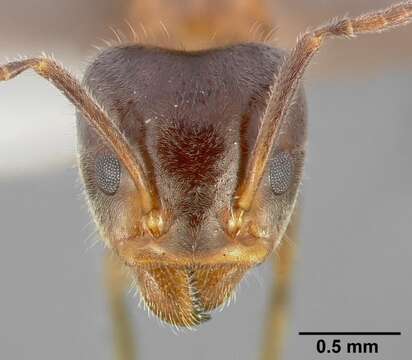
column 196, row 24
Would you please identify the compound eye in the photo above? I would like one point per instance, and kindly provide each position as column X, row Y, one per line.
column 108, row 171
column 281, row 172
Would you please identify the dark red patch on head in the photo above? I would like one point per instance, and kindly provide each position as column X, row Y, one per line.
column 191, row 154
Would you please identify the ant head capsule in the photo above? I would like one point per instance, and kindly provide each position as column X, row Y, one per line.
column 192, row 119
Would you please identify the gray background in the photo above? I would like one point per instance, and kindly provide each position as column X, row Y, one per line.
column 354, row 257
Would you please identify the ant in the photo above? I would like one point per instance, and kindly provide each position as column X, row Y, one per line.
column 192, row 160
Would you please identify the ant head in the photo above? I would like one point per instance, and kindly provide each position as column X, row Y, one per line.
column 198, row 173
column 191, row 119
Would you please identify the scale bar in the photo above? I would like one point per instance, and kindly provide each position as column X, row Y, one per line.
column 380, row 333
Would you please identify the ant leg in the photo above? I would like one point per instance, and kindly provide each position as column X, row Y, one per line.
column 116, row 283
column 277, row 313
